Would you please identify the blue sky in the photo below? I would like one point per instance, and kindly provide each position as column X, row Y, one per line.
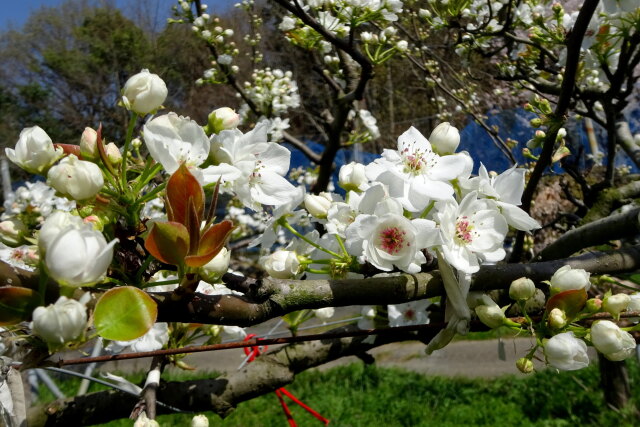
column 15, row 13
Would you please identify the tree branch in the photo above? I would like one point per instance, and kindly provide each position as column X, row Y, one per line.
column 272, row 298
column 220, row 395
column 593, row 233
column 566, row 94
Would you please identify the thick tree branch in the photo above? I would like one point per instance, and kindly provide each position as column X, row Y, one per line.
column 221, row 395
column 566, row 94
column 626, row 141
column 273, row 298
column 593, row 233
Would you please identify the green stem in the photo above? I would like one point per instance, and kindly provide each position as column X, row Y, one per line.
column 161, row 282
column 125, row 151
column 43, row 279
column 283, row 222
column 341, row 243
column 316, row 271
column 147, row 175
column 143, row 268
column 151, row 194
column 426, row 210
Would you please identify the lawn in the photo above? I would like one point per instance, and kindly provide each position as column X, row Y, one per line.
column 359, row 395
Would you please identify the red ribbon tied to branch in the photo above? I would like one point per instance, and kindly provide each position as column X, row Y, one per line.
column 253, row 352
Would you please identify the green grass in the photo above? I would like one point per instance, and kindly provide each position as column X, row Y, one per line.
column 358, row 395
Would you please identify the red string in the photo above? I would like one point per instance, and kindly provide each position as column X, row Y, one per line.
column 253, row 352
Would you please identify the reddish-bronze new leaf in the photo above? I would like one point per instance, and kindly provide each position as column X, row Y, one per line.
column 181, row 187
column 168, row 242
column 211, row 242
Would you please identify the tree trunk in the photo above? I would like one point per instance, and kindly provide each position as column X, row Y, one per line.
column 614, row 379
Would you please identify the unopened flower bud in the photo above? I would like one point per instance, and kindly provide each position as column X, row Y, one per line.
column 222, row 119
column 557, row 319
column 490, row 313
column 89, row 144
column 214, row 269
column 318, row 205
column 76, row 179
column 444, row 138
column 281, row 264
column 144, row 92
column 613, row 342
column 200, row 421
column 567, row 278
column 524, row 365
column 143, row 421
column 616, row 304
column 12, row 232
column 34, row 151
column 113, row 153
column 424, row 13
column 522, row 289
column 536, row 123
column 352, row 177
column 61, row 322
column 593, row 305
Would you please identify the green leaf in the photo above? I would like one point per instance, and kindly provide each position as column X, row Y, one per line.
column 17, row 304
column 124, row 314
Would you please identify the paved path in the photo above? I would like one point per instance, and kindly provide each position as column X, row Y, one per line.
column 467, row 359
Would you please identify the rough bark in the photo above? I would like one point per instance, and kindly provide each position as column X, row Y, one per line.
column 220, row 395
column 592, row 234
column 614, row 380
column 273, row 298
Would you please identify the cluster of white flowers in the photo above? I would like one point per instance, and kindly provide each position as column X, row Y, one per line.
column 274, row 91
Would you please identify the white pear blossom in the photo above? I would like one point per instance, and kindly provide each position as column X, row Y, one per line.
column 78, row 255
column 409, row 313
column 342, row 214
column 173, row 140
column 34, row 151
column 506, row 190
column 54, row 225
column 414, row 173
column 61, row 322
column 252, row 167
column 370, row 123
column 566, row 352
column 473, row 231
column 613, row 342
column 325, row 313
column 144, row 92
column 387, row 239
column 154, row 339
column 76, row 179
